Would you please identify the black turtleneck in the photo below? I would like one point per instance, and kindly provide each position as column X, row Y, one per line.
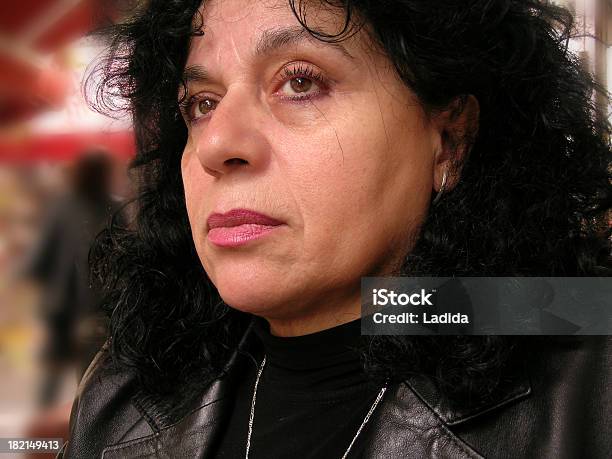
column 312, row 397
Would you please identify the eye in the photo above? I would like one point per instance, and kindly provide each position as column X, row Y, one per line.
column 301, row 82
column 299, row 85
column 198, row 106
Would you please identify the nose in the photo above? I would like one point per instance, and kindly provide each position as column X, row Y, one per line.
column 233, row 139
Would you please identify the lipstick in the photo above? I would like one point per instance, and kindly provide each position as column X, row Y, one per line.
column 239, row 227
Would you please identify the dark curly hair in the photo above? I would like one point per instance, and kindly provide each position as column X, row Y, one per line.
column 532, row 200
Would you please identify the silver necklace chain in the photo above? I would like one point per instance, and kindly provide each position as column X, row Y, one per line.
column 380, row 395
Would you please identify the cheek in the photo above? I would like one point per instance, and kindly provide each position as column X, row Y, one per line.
column 187, row 176
column 363, row 197
column 193, row 185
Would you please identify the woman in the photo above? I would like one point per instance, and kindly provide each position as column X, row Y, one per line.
column 288, row 149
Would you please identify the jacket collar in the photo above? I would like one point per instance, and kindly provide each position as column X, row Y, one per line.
column 412, row 415
column 415, row 418
column 194, row 434
column 516, row 386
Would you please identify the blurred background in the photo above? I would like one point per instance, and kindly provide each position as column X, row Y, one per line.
column 63, row 171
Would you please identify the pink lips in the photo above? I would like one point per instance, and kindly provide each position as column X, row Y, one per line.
column 238, row 227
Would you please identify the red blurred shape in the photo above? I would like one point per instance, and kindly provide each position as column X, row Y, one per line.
column 25, row 90
column 62, row 147
column 51, row 87
column 15, row 75
column 74, row 24
column 42, row 26
column 16, row 15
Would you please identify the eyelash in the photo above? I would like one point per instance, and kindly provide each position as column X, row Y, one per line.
column 288, row 73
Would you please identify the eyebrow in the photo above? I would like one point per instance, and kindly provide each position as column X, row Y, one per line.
column 274, row 39
column 271, row 40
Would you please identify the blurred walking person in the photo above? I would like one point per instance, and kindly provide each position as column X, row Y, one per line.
column 74, row 324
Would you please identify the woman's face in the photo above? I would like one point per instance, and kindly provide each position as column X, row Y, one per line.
column 323, row 138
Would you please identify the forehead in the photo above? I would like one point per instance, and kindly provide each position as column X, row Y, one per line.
column 250, row 28
column 237, row 10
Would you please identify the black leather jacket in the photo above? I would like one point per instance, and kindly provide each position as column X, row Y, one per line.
column 557, row 406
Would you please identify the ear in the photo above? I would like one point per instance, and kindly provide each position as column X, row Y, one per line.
column 457, row 128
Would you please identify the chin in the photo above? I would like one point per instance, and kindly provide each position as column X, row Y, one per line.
column 249, row 289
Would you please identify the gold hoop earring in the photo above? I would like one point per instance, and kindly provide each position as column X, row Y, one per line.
column 442, row 188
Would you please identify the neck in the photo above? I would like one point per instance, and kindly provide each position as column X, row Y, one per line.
column 316, row 321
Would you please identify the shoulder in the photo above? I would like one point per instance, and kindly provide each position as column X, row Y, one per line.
column 564, row 405
column 104, row 411
column 113, row 416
